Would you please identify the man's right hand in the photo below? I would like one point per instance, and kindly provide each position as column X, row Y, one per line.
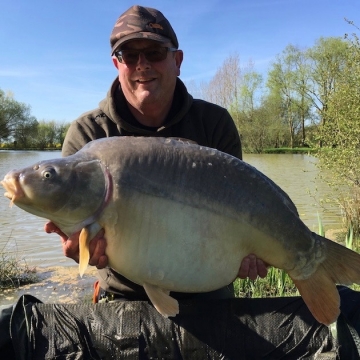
column 70, row 246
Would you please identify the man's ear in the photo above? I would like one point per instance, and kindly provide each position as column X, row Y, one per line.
column 179, row 56
column 115, row 61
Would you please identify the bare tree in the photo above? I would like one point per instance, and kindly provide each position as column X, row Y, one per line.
column 223, row 89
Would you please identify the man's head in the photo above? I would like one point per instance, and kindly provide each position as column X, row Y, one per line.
column 144, row 49
column 142, row 23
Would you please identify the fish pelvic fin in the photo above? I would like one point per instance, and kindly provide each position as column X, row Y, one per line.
column 162, row 301
column 86, row 235
column 341, row 266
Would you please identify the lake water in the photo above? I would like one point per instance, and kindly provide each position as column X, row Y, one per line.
column 23, row 233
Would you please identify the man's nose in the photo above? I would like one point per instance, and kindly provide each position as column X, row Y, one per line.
column 142, row 61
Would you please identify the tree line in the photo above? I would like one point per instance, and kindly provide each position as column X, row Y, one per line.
column 291, row 105
column 19, row 129
column 288, row 109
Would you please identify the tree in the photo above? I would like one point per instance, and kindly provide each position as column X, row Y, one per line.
column 25, row 132
column 340, row 136
column 61, row 131
column 301, row 78
column 327, row 60
column 278, row 135
column 282, row 86
column 50, row 134
column 250, row 121
column 12, row 115
column 249, row 89
column 223, row 89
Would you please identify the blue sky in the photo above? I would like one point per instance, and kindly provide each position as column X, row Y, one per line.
column 55, row 54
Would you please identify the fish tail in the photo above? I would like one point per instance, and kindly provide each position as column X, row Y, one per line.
column 341, row 266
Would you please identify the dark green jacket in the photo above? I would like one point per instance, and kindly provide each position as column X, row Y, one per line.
column 205, row 123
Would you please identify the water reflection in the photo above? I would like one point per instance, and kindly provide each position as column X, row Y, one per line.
column 23, row 233
column 297, row 175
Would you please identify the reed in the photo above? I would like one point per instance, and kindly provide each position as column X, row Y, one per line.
column 277, row 283
column 14, row 271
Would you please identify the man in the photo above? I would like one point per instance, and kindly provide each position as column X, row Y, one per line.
column 148, row 99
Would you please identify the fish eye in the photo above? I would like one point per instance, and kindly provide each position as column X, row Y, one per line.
column 48, row 173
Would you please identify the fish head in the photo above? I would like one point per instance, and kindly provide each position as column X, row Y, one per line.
column 71, row 192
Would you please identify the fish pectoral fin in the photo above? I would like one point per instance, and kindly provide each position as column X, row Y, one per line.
column 84, row 252
column 86, row 235
column 162, row 301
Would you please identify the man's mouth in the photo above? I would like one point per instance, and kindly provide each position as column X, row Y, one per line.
column 144, row 81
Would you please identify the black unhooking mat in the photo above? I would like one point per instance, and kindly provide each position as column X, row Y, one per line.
column 279, row 328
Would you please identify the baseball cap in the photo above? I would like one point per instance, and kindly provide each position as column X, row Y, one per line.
column 140, row 22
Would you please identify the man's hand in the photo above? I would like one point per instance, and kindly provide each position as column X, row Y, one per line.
column 70, row 246
column 252, row 267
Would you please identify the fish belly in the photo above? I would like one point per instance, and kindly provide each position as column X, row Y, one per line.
column 175, row 246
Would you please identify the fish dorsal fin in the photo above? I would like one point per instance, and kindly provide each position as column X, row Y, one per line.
column 86, row 235
column 163, row 302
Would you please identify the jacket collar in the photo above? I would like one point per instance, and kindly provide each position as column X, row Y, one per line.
column 115, row 107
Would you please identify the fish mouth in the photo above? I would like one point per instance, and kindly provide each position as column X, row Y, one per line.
column 12, row 188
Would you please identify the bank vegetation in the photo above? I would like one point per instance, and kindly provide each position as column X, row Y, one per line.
column 14, row 271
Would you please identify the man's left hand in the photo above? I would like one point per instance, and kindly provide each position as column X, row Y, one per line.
column 252, row 267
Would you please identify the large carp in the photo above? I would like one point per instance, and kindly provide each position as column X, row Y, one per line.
column 181, row 217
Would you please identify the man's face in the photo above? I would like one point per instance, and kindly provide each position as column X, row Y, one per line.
column 147, row 83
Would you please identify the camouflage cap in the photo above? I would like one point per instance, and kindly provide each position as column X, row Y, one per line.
column 140, row 22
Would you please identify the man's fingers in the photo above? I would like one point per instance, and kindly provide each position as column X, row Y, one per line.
column 70, row 246
column 103, row 262
column 261, row 268
column 50, row 228
column 252, row 267
column 248, row 268
column 71, row 249
column 98, row 251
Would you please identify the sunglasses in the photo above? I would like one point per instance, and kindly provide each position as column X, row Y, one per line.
column 131, row 56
